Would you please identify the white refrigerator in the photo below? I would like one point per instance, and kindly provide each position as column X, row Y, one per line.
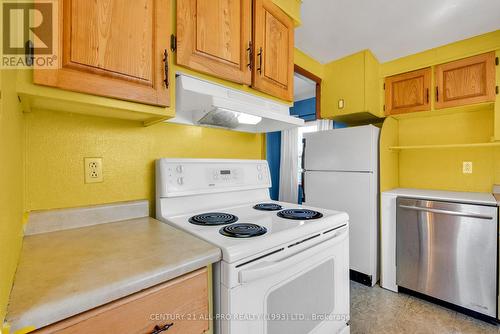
column 340, row 172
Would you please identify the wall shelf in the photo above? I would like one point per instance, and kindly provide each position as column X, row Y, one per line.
column 446, row 111
column 444, row 146
column 36, row 97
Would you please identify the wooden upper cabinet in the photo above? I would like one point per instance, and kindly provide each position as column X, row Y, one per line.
column 113, row 48
column 408, row 92
column 273, row 55
column 466, row 81
column 214, row 37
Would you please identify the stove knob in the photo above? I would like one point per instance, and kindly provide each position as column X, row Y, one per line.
column 179, row 169
column 180, row 180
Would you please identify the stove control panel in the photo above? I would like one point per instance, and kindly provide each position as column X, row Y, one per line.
column 229, row 175
column 179, row 177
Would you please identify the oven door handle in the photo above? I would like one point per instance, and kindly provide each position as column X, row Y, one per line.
column 267, row 268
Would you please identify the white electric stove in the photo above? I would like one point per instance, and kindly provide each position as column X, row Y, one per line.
column 284, row 268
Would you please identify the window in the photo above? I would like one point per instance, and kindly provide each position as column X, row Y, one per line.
column 309, row 127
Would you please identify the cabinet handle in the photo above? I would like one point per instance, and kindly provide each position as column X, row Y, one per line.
column 437, row 94
column 259, row 69
column 427, row 94
column 250, row 55
column 161, row 329
column 29, row 48
column 303, row 166
column 165, row 60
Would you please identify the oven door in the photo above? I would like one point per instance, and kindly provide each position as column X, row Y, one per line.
column 306, row 292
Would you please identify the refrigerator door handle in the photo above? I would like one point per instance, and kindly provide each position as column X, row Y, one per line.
column 303, row 161
column 303, row 166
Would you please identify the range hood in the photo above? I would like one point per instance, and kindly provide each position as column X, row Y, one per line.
column 203, row 103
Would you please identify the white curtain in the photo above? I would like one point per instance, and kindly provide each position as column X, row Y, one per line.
column 289, row 166
column 325, row 124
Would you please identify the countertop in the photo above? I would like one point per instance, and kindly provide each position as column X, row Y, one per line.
column 451, row 196
column 497, row 198
column 63, row 273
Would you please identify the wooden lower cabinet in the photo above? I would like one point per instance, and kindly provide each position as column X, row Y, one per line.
column 466, row 81
column 181, row 305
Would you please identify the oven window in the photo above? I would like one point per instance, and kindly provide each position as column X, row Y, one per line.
column 291, row 307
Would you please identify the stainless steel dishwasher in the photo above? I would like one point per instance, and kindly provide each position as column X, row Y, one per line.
column 448, row 251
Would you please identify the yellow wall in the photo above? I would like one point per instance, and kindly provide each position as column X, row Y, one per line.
column 11, row 185
column 439, row 168
column 58, row 142
column 307, row 62
column 442, row 168
column 389, row 168
column 292, row 8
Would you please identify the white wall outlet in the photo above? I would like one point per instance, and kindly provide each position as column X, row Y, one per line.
column 93, row 170
column 467, row 167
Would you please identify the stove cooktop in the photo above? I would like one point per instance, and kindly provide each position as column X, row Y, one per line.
column 300, row 214
column 268, row 207
column 279, row 230
column 213, row 219
column 243, row 230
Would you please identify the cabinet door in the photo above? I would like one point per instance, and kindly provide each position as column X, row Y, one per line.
column 346, row 92
column 408, row 92
column 466, row 81
column 113, row 48
column 178, row 306
column 214, row 37
column 273, row 55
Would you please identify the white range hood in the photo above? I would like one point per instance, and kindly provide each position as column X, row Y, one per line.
column 199, row 102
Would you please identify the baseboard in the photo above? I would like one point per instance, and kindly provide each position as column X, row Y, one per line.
column 364, row 279
column 451, row 306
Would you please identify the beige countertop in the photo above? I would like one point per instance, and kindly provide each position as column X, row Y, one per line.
column 497, row 197
column 63, row 273
column 481, row 198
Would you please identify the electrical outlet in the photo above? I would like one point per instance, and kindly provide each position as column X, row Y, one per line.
column 467, row 167
column 93, row 170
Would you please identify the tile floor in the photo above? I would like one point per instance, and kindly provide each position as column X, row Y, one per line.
column 376, row 310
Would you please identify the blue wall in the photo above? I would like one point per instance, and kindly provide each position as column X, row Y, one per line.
column 273, row 152
column 305, row 109
column 339, row 125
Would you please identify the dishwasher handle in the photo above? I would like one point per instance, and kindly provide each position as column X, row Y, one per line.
column 446, row 212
